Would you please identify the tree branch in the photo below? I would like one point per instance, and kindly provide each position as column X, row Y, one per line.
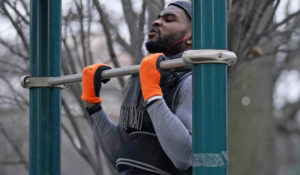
column 83, row 150
column 270, row 20
column 25, row 6
column 90, row 19
column 284, row 21
column 253, row 25
column 135, row 30
column 7, row 64
column 14, row 51
column 79, row 8
column 119, row 39
column 15, row 147
column 130, row 18
column 69, row 50
column 76, row 45
column 139, row 39
column 15, row 93
column 16, row 26
column 6, row 162
column 109, row 40
column 18, row 13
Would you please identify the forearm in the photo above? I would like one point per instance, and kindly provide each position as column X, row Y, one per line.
column 108, row 134
column 175, row 138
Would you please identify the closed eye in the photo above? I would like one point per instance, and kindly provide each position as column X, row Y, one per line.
column 168, row 17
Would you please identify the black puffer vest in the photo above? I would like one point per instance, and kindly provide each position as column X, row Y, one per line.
column 143, row 150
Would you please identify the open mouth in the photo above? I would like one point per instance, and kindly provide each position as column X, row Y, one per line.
column 152, row 32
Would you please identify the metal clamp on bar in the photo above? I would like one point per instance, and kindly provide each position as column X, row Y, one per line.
column 209, row 56
column 29, row 81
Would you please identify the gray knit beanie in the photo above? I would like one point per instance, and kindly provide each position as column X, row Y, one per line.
column 184, row 5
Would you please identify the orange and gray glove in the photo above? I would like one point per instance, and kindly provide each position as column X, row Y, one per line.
column 91, row 82
column 150, row 77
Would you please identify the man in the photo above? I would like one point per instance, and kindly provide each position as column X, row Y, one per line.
column 154, row 134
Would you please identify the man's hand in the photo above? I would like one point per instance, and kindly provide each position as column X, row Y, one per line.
column 91, row 82
column 150, row 77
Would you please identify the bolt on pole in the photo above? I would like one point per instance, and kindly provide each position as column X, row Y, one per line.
column 45, row 104
column 209, row 90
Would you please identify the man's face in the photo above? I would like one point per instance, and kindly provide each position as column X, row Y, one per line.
column 172, row 25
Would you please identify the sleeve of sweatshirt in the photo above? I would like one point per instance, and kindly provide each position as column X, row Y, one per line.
column 174, row 131
column 108, row 134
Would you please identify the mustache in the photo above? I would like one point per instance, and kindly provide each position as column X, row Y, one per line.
column 156, row 29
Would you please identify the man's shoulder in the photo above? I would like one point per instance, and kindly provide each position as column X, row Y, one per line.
column 186, row 82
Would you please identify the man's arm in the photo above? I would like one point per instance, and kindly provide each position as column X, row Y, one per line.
column 108, row 134
column 174, row 131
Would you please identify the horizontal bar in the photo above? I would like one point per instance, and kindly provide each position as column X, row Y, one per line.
column 188, row 57
column 116, row 72
column 29, row 81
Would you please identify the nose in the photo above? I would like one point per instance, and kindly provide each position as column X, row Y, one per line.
column 157, row 23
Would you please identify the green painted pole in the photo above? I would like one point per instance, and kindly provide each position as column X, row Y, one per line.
column 45, row 61
column 210, row 90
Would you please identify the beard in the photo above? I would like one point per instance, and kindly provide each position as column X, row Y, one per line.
column 163, row 44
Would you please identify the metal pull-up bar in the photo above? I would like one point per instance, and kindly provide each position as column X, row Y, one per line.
column 188, row 57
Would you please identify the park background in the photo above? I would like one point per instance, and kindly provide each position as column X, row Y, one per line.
column 263, row 86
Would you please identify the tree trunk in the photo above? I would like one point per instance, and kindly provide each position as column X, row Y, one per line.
column 251, row 126
column 154, row 7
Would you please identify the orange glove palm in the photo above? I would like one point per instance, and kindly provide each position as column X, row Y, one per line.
column 150, row 77
column 91, row 82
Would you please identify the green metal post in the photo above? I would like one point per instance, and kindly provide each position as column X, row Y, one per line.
column 45, row 61
column 210, row 90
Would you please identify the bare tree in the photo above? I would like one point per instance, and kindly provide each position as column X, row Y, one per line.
column 257, row 38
